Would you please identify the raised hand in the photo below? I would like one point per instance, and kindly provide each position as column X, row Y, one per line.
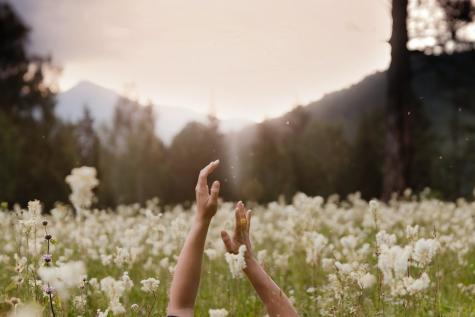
column 241, row 231
column 186, row 280
column 206, row 201
column 276, row 302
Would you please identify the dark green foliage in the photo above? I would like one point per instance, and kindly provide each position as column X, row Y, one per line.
column 132, row 159
column 88, row 143
column 36, row 150
column 323, row 160
column 267, row 169
column 367, row 157
column 192, row 149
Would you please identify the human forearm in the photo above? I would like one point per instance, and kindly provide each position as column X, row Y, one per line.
column 186, row 278
column 276, row 302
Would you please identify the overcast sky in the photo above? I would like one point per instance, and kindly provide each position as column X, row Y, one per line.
column 254, row 58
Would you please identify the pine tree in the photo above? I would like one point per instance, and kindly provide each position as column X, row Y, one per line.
column 36, row 149
column 132, row 157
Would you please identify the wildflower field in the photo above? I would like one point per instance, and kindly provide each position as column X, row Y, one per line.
column 413, row 256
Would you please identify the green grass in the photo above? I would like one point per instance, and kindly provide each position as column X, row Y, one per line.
column 275, row 229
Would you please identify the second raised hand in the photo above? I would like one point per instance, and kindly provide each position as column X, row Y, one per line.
column 241, row 231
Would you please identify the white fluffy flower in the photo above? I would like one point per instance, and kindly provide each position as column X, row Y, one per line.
column 345, row 268
column 122, row 256
column 314, row 244
column 373, row 206
column 349, row 242
column 34, row 207
column 106, row 259
column 82, row 181
column 113, row 290
column 425, row 250
column 29, row 310
column 63, row 278
column 327, row 264
column 418, row 285
column 116, row 307
column 383, row 238
column 94, row 283
column 165, row 263
column 100, row 313
column 218, row 312
column 150, row 285
column 79, row 302
column 211, row 254
column 393, row 262
column 366, row 281
column 128, row 283
column 412, row 231
column 236, row 262
column 32, row 217
column 261, row 256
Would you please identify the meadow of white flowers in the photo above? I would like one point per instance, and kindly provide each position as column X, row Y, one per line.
column 411, row 257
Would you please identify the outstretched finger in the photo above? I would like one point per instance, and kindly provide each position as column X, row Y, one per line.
column 226, row 240
column 215, row 192
column 248, row 217
column 242, row 216
column 203, row 177
column 243, row 223
column 237, row 217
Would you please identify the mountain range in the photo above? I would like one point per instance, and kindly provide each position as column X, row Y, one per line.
column 343, row 107
column 433, row 84
column 101, row 103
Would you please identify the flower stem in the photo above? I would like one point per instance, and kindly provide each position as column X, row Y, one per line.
column 51, row 304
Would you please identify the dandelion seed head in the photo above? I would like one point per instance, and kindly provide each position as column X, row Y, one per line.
column 218, row 312
column 150, row 285
column 236, row 262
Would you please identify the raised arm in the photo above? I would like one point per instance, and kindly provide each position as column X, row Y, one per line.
column 186, row 278
column 275, row 301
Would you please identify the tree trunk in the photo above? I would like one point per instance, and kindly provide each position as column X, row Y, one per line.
column 398, row 108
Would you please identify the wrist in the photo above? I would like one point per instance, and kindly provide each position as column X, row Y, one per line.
column 202, row 221
column 251, row 263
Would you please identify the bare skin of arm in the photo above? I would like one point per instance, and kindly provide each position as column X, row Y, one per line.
column 275, row 301
column 186, row 280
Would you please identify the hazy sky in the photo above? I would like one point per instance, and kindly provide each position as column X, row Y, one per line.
column 254, row 58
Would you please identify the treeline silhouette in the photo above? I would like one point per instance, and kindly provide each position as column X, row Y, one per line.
column 336, row 145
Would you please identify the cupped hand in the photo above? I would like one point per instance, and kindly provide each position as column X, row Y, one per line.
column 241, row 232
column 206, row 200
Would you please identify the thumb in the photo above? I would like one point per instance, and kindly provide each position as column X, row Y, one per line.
column 227, row 240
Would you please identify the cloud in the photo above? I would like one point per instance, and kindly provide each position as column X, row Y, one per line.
column 253, row 56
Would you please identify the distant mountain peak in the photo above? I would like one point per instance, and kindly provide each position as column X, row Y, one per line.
column 101, row 102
